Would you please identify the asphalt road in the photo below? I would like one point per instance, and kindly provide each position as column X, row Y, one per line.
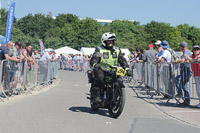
column 65, row 109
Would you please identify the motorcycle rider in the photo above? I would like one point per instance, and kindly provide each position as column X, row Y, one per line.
column 110, row 55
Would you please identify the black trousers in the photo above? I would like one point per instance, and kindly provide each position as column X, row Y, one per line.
column 99, row 78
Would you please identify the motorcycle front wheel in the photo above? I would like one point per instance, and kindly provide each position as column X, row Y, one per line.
column 118, row 101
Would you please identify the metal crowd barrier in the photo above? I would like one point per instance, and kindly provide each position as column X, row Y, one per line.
column 164, row 79
column 138, row 72
column 24, row 77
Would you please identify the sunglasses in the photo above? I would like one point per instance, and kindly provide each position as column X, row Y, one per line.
column 164, row 44
column 196, row 49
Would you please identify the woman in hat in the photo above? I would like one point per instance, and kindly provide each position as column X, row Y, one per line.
column 195, row 67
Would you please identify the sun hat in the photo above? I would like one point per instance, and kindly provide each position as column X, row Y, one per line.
column 196, row 46
column 164, row 44
column 158, row 42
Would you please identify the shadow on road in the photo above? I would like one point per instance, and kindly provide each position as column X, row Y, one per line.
column 162, row 102
column 89, row 110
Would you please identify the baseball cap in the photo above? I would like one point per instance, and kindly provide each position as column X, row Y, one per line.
column 158, row 42
column 151, row 45
column 196, row 46
column 183, row 44
column 164, row 44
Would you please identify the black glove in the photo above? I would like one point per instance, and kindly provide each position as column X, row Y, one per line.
column 97, row 66
column 128, row 72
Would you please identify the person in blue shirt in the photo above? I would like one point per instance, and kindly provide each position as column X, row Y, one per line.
column 4, row 53
column 8, row 69
column 182, row 80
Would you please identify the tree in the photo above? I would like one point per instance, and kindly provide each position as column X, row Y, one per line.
column 125, row 32
column 157, row 31
column 62, row 19
column 192, row 33
column 90, row 35
column 35, row 25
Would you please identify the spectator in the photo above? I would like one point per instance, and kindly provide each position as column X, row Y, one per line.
column 63, row 59
column 43, row 66
column 78, row 62
column 37, row 56
column 160, row 53
column 182, row 80
column 85, row 63
column 7, row 53
column 17, row 67
column 75, row 62
column 132, row 57
column 46, row 56
column 165, row 69
column 195, row 68
column 29, row 54
column 139, row 55
column 60, row 60
column 53, row 57
column 149, row 55
column 70, row 60
column 51, row 65
column 126, row 57
column 81, row 62
column 4, row 53
column 131, row 60
column 160, row 49
column 166, row 57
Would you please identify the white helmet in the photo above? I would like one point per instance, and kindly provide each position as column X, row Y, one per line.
column 107, row 36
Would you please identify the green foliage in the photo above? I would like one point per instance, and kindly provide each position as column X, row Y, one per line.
column 69, row 30
column 62, row 19
column 125, row 31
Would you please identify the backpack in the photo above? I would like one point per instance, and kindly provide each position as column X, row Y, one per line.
column 174, row 55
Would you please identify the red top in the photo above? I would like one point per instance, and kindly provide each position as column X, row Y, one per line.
column 195, row 66
column 85, row 60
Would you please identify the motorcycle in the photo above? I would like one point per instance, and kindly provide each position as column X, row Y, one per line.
column 112, row 94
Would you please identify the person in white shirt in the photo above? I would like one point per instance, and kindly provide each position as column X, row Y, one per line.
column 165, row 69
column 166, row 56
column 43, row 66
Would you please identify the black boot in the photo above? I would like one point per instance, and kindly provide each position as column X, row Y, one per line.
column 97, row 98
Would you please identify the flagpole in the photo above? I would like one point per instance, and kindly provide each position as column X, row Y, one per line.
column 0, row 8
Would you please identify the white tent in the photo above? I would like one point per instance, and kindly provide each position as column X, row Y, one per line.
column 48, row 49
column 87, row 51
column 125, row 51
column 67, row 50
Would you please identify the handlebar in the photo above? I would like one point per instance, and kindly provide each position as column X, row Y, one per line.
column 115, row 70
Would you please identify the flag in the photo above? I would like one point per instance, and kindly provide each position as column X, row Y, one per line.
column 41, row 46
column 10, row 22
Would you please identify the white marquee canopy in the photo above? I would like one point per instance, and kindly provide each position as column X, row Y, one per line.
column 87, row 51
column 67, row 50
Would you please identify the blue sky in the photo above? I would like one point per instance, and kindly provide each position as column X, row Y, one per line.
column 174, row 12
